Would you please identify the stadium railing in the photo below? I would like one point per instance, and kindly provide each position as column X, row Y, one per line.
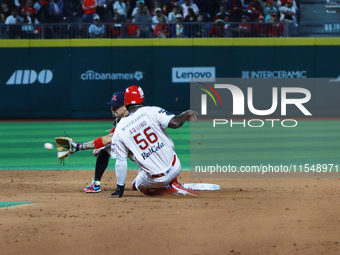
column 168, row 30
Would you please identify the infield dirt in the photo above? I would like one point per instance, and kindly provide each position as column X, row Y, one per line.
column 247, row 216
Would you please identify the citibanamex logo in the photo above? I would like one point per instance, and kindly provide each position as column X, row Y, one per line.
column 238, row 100
column 92, row 75
column 24, row 77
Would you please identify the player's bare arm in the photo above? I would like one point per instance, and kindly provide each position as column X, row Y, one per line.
column 179, row 120
column 118, row 112
column 96, row 143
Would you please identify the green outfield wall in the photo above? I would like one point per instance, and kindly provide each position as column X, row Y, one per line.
column 48, row 79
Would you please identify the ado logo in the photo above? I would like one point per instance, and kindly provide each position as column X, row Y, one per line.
column 20, row 77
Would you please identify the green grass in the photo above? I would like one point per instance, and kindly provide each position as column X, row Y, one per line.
column 22, row 145
column 13, row 203
column 311, row 142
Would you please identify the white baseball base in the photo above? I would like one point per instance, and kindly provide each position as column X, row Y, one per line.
column 201, row 186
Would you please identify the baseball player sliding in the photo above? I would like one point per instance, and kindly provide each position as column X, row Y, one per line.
column 143, row 133
column 141, row 136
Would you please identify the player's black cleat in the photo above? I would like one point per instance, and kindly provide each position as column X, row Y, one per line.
column 119, row 191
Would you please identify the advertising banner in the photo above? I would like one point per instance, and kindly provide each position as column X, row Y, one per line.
column 76, row 82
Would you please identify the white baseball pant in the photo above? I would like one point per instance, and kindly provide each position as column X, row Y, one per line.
column 145, row 181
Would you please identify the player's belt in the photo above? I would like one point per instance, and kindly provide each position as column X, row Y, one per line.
column 166, row 172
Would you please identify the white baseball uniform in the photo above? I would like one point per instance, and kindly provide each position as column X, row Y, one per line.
column 143, row 133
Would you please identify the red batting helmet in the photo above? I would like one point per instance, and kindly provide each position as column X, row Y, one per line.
column 133, row 95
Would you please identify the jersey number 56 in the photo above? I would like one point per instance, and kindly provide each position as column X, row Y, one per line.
column 150, row 138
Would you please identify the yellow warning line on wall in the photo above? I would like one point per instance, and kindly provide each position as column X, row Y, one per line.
column 294, row 41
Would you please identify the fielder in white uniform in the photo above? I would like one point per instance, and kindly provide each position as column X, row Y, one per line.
column 143, row 133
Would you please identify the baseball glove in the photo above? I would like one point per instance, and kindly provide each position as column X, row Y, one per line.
column 65, row 147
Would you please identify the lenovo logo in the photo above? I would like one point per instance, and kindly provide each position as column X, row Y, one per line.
column 196, row 74
column 23, row 77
